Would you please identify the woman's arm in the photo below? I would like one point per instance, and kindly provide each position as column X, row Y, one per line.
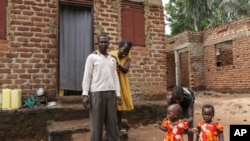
column 125, row 68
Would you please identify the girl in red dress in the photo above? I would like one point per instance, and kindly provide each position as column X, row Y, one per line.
column 209, row 130
column 173, row 125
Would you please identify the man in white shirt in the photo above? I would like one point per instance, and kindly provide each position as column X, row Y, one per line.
column 101, row 89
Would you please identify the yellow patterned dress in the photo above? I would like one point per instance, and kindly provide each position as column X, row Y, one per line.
column 209, row 131
column 174, row 132
column 127, row 102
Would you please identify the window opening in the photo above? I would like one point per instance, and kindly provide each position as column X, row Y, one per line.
column 224, row 53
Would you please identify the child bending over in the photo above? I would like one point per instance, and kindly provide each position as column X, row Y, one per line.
column 173, row 125
column 207, row 129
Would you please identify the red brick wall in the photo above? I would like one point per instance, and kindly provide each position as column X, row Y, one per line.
column 236, row 77
column 29, row 55
column 184, row 69
column 148, row 70
column 106, row 17
column 204, row 72
column 196, row 69
column 171, row 81
column 191, row 66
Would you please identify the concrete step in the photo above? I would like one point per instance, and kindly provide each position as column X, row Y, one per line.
column 85, row 136
column 32, row 123
column 63, row 130
column 69, row 126
column 70, row 99
column 75, row 130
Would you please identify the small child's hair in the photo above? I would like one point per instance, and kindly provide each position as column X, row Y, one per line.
column 208, row 106
column 177, row 108
column 178, row 90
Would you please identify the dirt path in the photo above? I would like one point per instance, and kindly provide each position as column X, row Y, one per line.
column 229, row 109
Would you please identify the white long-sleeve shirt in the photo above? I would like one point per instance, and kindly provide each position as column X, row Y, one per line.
column 100, row 74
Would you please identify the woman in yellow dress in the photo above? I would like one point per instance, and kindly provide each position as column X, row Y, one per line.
column 123, row 58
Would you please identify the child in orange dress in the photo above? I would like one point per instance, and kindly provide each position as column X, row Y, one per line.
column 173, row 125
column 207, row 129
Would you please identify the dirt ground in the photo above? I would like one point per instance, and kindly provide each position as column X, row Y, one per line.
column 229, row 109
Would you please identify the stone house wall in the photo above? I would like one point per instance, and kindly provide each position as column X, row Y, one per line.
column 29, row 54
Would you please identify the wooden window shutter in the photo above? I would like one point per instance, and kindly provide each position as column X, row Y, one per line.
column 3, row 4
column 139, row 32
column 133, row 22
column 127, row 25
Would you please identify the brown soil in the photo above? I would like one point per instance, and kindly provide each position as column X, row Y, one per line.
column 229, row 109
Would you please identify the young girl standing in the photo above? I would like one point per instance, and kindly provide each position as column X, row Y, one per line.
column 209, row 130
column 173, row 125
